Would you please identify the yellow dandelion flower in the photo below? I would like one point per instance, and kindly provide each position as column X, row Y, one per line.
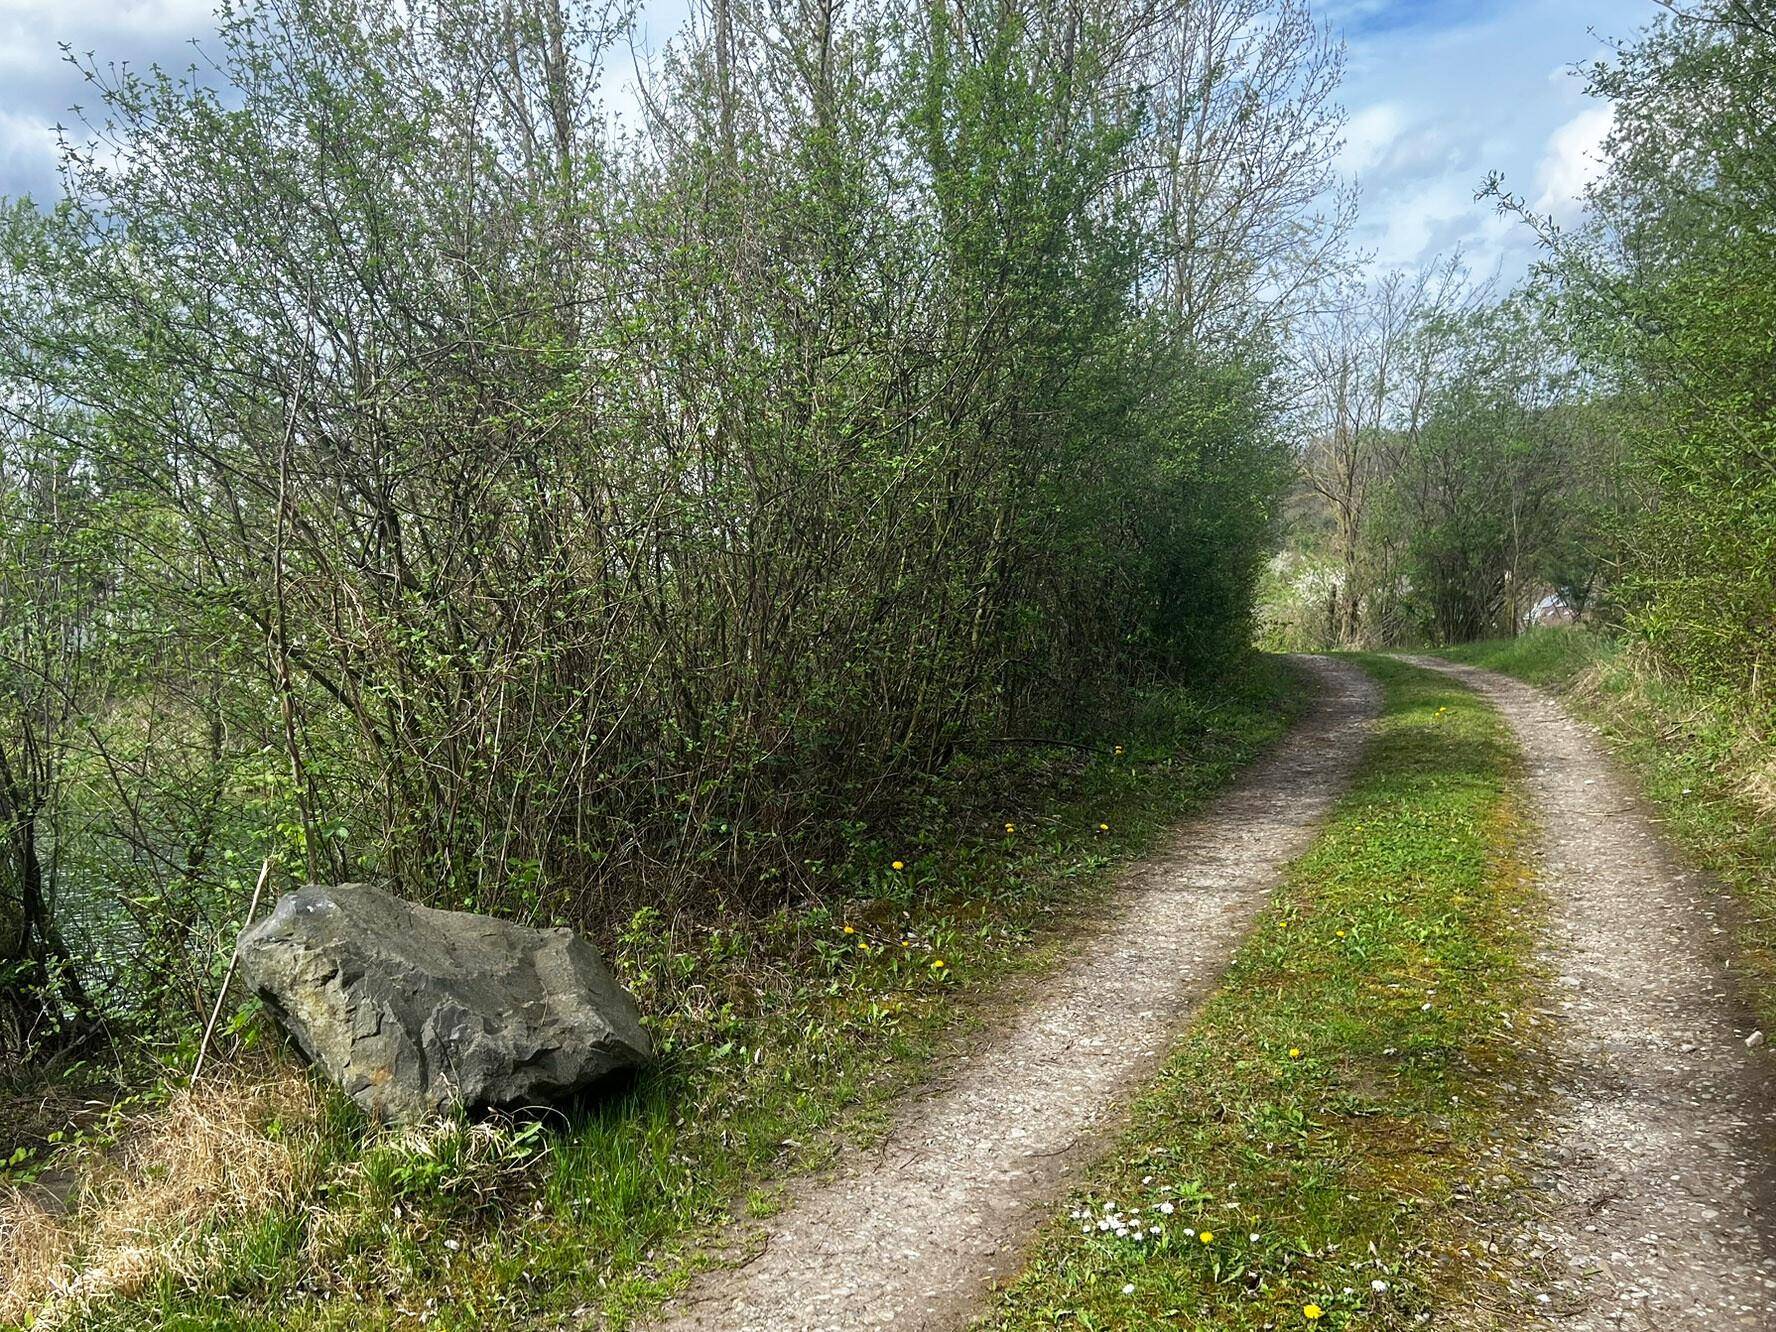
column 1294, row 1052
column 863, row 948
column 1312, row 1312
column 1103, row 827
column 1207, row 1237
column 937, row 964
column 1340, row 934
column 898, row 865
column 850, row 929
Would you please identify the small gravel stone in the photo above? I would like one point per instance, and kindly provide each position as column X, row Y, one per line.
column 974, row 1167
column 1655, row 1173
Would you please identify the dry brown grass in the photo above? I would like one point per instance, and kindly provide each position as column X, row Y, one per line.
column 143, row 1209
column 1760, row 786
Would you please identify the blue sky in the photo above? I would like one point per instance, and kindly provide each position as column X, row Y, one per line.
column 1380, row 18
column 1440, row 92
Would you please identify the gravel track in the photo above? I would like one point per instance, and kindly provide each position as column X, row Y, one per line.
column 1658, row 1168
column 912, row 1235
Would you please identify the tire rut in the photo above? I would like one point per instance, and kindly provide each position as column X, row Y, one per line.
column 1658, row 1164
column 912, row 1236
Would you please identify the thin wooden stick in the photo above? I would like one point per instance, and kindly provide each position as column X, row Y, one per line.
column 228, row 976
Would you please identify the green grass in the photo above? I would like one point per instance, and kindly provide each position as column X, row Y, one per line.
column 782, row 1038
column 1707, row 764
column 1546, row 657
column 1350, row 1093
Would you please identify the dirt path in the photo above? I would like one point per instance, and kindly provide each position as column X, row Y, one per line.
column 1663, row 1154
column 910, row 1236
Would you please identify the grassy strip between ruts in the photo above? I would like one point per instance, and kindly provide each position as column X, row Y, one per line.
column 1353, row 1090
column 1708, row 765
column 780, row 1038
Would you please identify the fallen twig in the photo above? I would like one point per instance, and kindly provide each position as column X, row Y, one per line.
column 228, row 976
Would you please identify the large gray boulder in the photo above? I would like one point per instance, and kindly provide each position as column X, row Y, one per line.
column 415, row 1012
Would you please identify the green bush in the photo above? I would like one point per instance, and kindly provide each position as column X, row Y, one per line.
column 1674, row 281
column 427, row 480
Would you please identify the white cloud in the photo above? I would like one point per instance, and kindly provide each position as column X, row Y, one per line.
column 1417, row 220
column 1368, row 135
column 1461, row 91
column 24, row 133
column 31, row 31
column 1573, row 159
column 39, row 88
column 141, row 17
column 27, row 148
